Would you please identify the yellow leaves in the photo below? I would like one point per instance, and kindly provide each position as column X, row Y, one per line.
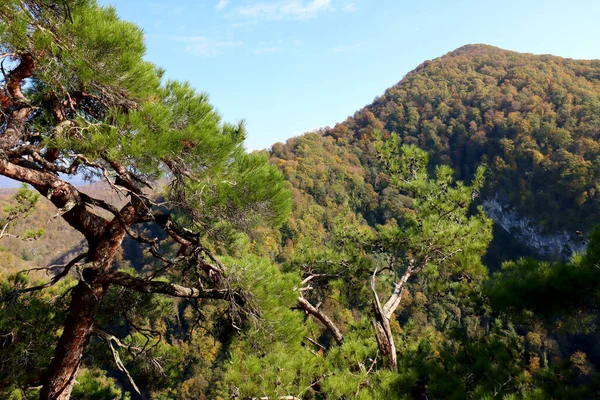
column 265, row 241
column 534, row 364
column 507, row 145
column 536, row 156
column 534, row 340
column 581, row 198
column 580, row 363
column 395, row 325
column 420, row 300
column 499, row 164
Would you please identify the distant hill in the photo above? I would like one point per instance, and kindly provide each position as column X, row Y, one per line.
column 533, row 119
column 58, row 241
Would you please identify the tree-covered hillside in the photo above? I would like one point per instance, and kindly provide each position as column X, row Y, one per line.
column 533, row 120
column 344, row 264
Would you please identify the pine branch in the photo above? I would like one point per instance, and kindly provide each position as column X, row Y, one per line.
column 171, row 289
column 324, row 319
column 109, row 339
column 66, row 268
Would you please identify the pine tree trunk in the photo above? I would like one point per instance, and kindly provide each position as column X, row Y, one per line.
column 85, row 299
column 385, row 340
column 73, row 342
column 383, row 315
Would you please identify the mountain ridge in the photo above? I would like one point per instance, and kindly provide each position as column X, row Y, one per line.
column 335, row 171
column 533, row 119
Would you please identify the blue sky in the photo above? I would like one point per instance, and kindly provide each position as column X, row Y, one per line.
column 291, row 66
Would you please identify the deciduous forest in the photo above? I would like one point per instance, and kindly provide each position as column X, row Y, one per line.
column 359, row 261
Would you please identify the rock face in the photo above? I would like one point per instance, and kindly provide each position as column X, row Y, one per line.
column 559, row 245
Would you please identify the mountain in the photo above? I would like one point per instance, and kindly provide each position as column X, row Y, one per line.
column 533, row 120
column 59, row 241
column 368, row 222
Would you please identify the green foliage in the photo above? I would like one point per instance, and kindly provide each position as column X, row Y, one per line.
column 283, row 370
column 94, row 385
column 95, row 48
column 29, row 326
column 22, row 205
column 438, row 226
column 353, row 370
column 270, row 358
column 532, row 119
column 26, row 201
column 549, row 288
column 272, row 296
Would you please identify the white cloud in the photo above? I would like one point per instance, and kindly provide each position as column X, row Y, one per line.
column 350, row 47
column 285, row 9
column 222, row 4
column 263, row 50
column 247, row 25
column 349, row 7
column 270, row 46
column 204, row 47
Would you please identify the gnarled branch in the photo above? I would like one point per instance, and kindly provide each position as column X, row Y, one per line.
column 61, row 194
column 66, row 268
column 168, row 288
column 109, row 339
column 16, row 77
column 325, row 320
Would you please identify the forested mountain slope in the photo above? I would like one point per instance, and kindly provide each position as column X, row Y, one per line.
column 533, row 120
column 58, row 241
column 343, row 264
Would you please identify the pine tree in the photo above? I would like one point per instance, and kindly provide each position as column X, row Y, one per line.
column 77, row 97
column 438, row 236
column 25, row 201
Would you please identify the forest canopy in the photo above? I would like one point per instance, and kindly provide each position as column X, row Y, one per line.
column 345, row 263
column 534, row 120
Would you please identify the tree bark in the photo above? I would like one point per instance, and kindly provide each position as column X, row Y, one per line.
column 385, row 340
column 14, row 129
column 73, row 342
column 331, row 327
column 78, row 327
column 383, row 314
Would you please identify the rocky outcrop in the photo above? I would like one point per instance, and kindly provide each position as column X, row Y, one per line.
column 557, row 245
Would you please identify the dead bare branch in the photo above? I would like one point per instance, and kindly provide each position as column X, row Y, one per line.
column 109, row 339
column 66, row 268
column 324, row 319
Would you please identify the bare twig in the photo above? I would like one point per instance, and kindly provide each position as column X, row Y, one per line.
column 109, row 339
column 56, row 278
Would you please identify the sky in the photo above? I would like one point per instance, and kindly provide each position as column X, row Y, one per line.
column 287, row 67
column 291, row 66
